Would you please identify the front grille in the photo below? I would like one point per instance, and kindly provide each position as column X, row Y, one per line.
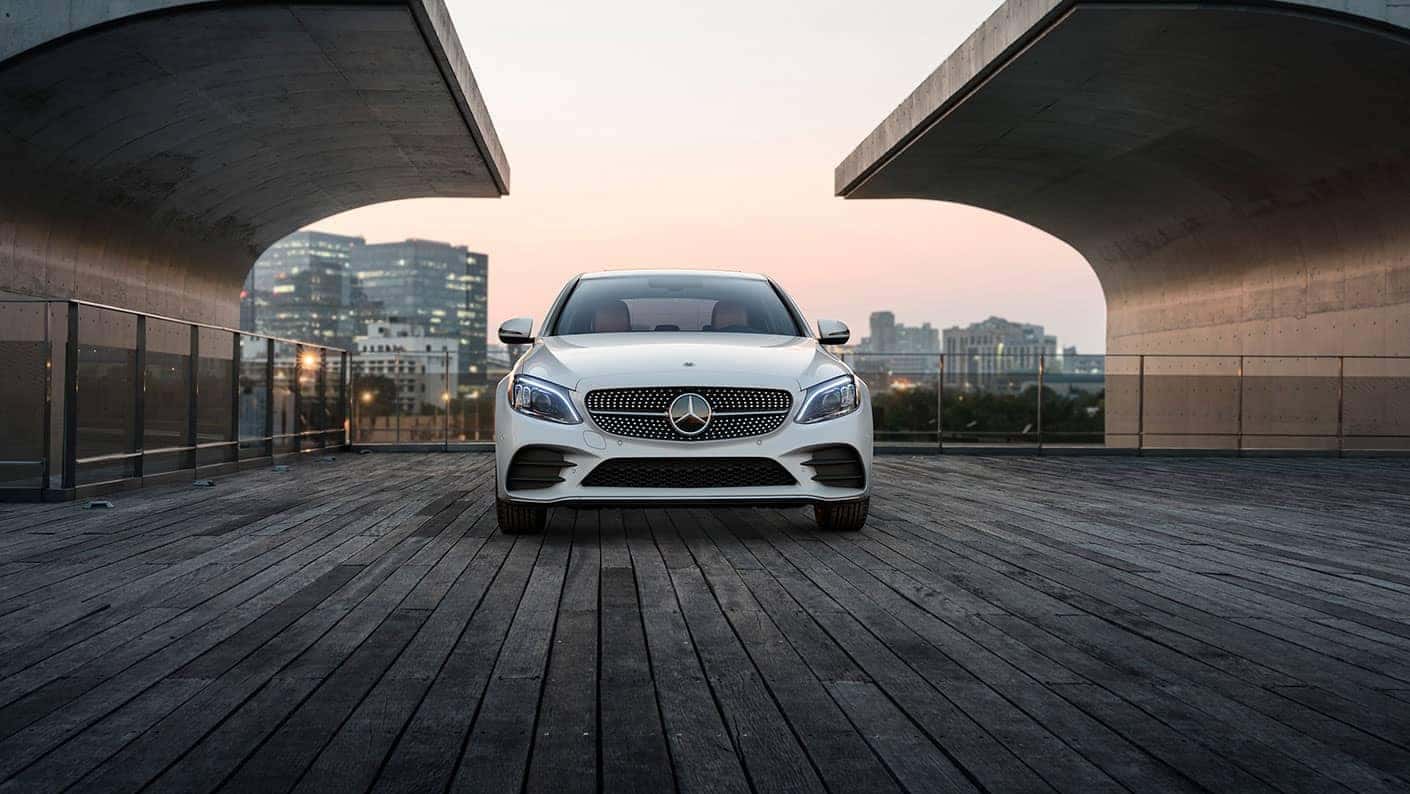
column 687, row 473
column 735, row 412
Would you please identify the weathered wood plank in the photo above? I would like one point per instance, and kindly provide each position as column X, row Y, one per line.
column 1016, row 623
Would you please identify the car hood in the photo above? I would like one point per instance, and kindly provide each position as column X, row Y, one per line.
column 680, row 359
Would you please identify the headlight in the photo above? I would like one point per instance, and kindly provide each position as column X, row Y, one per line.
column 829, row 400
column 542, row 400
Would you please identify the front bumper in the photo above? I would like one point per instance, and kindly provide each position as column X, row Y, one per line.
column 586, row 445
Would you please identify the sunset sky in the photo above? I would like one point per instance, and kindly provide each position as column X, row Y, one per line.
column 675, row 133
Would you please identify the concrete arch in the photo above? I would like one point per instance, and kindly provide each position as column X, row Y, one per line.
column 1238, row 175
column 152, row 150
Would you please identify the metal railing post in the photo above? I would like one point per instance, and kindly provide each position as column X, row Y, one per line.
column 445, row 400
column 1141, row 403
column 344, row 376
column 396, row 393
column 1240, row 425
column 298, row 389
column 1042, row 364
column 320, row 387
column 139, row 397
column 269, row 398
column 47, row 432
column 69, row 478
column 235, row 396
column 193, row 398
column 1341, row 406
column 940, row 406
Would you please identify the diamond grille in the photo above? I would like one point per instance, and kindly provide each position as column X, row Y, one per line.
column 640, row 412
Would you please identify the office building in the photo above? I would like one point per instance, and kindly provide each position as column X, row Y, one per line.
column 301, row 288
column 421, row 366
column 983, row 353
column 437, row 287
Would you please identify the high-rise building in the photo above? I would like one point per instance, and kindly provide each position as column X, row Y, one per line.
column 899, row 347
column 883, row 332
column 984, row 352
column 301, row 288
column 327, row 288
column 438, row 287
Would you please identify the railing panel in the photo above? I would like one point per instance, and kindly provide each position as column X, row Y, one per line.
column 1191, row 402
column 107, row 435
column 312, row 416
column 990, row 400
column 428, row 396
column 1123, row 400
column 1289, row 402
column 335, row 397
column 166, row 404
column 905, row 402
column 24, row 356
column 254, row 396
column 1376, row 404
column 285, row 360
column 374, row 395
column 215, row 373
column 472, row 415
column 1090, row 401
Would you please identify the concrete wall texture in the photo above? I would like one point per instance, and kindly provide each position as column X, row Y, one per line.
column 1237, row 175
column 152, row 149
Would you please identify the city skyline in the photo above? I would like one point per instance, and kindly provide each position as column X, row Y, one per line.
column 721, row 156
column 348, row 248
column 329, row 288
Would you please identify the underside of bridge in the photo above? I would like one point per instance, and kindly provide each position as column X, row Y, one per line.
column 1237, row 175
column 151, row 151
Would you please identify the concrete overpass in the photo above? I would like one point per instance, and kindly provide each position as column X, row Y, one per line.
column 151, row 150
column 1238, row 175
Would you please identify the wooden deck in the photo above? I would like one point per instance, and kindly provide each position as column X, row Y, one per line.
column 1008, row 624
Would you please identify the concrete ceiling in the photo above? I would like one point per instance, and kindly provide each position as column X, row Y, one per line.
column 1236, row 174
column 227, row 124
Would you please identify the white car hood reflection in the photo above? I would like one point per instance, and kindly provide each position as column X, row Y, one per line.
column 680, row 358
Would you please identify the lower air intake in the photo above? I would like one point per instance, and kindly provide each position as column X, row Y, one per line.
column 838, row 466
column 534, row 468
column 688, row 473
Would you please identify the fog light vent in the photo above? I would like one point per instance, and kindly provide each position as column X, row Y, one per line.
column 838, row 466
column 534, row 468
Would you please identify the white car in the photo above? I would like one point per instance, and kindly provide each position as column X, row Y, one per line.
column 665, row 387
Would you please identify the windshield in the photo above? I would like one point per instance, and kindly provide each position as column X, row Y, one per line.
column 719, row 304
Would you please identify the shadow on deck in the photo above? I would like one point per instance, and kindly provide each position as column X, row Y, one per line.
column 1092, row 624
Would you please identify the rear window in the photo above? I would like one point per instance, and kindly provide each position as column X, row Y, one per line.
column 674, row 304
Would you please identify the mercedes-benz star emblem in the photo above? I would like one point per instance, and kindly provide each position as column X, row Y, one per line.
column 690, row 414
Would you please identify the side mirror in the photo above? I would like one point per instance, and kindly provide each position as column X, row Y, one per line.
column 518, row 331
column 833, row 332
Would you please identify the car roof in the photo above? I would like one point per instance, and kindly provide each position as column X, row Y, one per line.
column 673, row 272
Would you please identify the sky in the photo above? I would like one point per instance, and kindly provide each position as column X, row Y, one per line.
column 676, row 133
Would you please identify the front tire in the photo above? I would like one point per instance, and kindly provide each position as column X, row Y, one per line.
column 520, row 519
column 842, row 516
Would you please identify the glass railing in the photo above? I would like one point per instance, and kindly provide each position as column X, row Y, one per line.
column 418, row 398
column 96, row 397
column 1141, row 402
